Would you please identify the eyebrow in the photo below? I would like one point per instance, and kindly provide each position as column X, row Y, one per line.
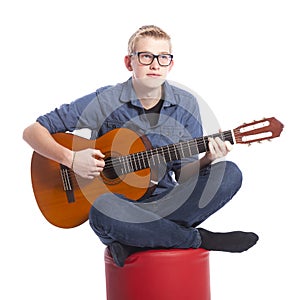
column 163, row 52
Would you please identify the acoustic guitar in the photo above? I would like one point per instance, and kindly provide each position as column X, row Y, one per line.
column 65, row 198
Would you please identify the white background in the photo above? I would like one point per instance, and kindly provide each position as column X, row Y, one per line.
column 241, row 57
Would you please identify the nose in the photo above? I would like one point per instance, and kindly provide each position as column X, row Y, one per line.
column 155, row 65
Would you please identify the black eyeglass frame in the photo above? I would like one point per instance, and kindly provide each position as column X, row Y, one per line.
column 154, row 56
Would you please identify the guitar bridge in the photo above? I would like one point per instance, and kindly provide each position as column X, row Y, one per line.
column 67, row 183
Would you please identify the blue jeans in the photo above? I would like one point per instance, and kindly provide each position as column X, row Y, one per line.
column 168, row 220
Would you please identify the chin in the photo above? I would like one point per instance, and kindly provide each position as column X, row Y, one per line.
column 151, row 82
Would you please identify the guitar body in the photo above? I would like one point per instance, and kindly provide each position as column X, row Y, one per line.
column 65, row 198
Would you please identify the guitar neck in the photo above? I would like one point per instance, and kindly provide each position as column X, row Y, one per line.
column 187, row 148
column 153, row 157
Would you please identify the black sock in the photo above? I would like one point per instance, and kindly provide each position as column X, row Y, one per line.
column 235, row 241
column 120, row 252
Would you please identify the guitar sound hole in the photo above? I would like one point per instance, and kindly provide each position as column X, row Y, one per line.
column 110, row 173
column 109, row 170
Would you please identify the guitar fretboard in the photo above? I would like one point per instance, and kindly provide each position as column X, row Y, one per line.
column 141, row 160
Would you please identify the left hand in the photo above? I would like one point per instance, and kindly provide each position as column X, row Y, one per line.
column 217, row 148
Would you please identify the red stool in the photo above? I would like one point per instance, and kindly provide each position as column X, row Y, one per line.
column 174, row 274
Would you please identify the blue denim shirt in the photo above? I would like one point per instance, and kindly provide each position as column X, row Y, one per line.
column 118, row 106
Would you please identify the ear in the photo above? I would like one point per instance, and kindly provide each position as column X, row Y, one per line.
column 127, row 61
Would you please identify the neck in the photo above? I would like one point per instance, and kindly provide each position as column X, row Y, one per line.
column 149, row 103
column 148, row 94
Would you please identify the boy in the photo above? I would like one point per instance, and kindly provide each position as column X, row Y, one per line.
column 186, row 191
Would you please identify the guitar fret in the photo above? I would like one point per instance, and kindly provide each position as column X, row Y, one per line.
column 193, row 147
column 151, row 162
column 175, row 152
column 169, row 154
column 138, row 162
column 196, row 146
column 133, row 162
column 123, row 170
column 144, row 161
column 119, row 158
column 189, row 148
column 157, row 156
column 129, row 163
column 161, row 152
column 164, row 149
column 125, row 164
column 182, row 151
column 148, row 160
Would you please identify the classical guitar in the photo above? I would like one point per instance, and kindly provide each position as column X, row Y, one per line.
column 65, row 198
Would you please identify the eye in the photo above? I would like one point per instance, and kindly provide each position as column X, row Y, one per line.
column 148, row 56
column 164, row 56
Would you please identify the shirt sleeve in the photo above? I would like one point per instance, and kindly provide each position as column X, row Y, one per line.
column 65, row 118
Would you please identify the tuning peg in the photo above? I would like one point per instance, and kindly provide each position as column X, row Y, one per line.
column 269, row 140
column 259, row 142
column 249, row 144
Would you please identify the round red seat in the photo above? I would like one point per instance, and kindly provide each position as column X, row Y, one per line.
column 175, row 274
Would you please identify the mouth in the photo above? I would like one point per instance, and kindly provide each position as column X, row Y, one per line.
column 153, row 75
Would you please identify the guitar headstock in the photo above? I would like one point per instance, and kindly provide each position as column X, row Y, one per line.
column 256, row 131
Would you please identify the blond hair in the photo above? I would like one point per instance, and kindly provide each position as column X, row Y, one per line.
column 147, row 31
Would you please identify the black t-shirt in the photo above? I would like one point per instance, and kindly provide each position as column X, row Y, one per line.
column 153, row 113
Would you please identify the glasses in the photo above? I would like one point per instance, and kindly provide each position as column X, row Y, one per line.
column 147, row 58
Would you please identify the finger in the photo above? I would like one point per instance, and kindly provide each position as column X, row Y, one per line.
column 221, row 145
column 211, row 146
column 92, row 175
column 99, row 163
column 228, row 146
column 98, row 154
column 96, row 170
column 216, row 147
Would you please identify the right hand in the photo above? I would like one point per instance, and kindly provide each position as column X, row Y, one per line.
column 88, row 163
